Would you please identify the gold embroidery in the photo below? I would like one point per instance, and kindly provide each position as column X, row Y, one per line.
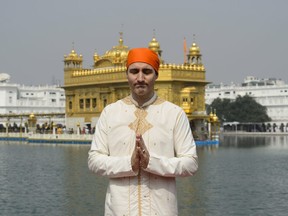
column 139, row 194
column 127, row 100
column 140, row 125
column 159, row 101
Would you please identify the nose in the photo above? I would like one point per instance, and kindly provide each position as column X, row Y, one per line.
column 140, row 76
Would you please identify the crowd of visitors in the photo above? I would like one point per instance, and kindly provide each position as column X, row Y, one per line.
column 46, row 128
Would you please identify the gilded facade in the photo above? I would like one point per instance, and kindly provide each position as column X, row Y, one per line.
column 88, row 91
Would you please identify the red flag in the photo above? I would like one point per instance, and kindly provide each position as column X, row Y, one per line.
column 185, row 49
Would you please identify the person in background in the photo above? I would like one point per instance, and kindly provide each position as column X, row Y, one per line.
column 142, row 143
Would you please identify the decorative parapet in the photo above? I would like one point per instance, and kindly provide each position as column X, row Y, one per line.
column 92, row 72
column 183, row 67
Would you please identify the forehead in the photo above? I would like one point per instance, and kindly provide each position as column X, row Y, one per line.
column 140, row 65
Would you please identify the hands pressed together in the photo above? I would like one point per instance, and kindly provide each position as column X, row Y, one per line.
column 140, row 156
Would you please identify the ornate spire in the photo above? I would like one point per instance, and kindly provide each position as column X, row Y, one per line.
column 154, row 45
column 73, row 60
column 194, row 56
column 121, row 39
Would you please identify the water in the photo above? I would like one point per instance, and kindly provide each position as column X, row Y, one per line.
column 243, row 176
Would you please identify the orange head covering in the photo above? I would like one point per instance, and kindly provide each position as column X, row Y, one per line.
column 143, row 55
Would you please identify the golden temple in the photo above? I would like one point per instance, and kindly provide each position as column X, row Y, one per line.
column 88, row 91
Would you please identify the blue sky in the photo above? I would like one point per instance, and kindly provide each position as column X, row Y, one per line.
column 237, row 38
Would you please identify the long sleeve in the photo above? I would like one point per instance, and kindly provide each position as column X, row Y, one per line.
column 185, row 161
column 100, row 160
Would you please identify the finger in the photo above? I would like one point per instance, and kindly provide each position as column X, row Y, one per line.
column 143, row 153
column 140, row 141
column 137, row 145
column 143, row 147
column 139, row 151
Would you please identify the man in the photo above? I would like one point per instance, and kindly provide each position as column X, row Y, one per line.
column 142, row 143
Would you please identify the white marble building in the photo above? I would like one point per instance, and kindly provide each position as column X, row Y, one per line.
column 22, row 99
column 271, row 93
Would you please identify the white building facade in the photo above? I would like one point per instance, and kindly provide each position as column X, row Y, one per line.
column 20, row 99
column 271, row 93
column 16, row 99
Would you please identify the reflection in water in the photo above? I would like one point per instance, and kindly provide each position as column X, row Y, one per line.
column 241, row 176
column 252, row 141
column 85, row 192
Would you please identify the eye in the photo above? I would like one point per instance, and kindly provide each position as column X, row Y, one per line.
column 147, row 71
column 133, row 71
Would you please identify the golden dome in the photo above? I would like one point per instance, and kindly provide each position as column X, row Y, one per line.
column 73, row 53
column 211, row 115
column 32, row 116
column 194, row 49
column 73, row 56
column 215, row 118
column 154, row 45
column 118, row 54
column 96, row 57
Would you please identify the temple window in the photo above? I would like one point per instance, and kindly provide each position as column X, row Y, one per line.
column 70, row 105
column 87, row 103
column 81, row 103
column 104, row 102
column 94, row 102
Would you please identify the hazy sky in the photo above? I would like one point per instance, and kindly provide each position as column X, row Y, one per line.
column 237, row 38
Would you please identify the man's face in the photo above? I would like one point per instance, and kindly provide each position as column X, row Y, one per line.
column 141, row 78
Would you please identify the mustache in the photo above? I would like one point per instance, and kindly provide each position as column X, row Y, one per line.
column 140, row 83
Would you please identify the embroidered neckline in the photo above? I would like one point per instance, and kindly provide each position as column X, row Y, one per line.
column 155, row 100
column 140, row 125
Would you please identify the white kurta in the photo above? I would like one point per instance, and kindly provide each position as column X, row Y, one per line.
column 167, row 135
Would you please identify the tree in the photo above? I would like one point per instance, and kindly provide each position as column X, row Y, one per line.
column 221, row 107
column 243, row 109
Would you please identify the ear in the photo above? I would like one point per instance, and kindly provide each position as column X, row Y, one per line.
column 156, row 74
